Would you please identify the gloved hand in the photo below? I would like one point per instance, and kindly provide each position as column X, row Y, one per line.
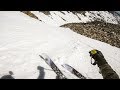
column 98, row 57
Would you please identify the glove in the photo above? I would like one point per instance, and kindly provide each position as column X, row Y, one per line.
column 98, row 57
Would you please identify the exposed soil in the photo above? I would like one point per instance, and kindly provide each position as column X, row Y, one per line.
column 105, row 32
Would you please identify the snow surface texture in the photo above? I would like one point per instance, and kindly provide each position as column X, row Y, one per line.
column 56, row 18
column 23, row 39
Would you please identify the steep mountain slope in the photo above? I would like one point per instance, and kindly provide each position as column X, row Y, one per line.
column 23, row 38
column 100, row 25
column 58, row 18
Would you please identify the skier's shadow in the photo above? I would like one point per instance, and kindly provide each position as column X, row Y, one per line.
column 41, row 72
column 8, row 76
column 57, row 77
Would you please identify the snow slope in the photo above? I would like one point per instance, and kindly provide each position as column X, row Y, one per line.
column 57, row 18
column 23, row 38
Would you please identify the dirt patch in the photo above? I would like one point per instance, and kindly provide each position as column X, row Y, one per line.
column 105, row 32
column 80, row 12
column 30, row 14
column 46, row 12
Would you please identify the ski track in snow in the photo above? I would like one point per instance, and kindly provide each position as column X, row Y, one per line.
column 23, row 39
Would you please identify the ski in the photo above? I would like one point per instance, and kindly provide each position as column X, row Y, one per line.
column 48, row 60
column 73, row 71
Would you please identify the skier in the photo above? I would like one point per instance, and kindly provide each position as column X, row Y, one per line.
column 8, row 76
column 105, row 69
